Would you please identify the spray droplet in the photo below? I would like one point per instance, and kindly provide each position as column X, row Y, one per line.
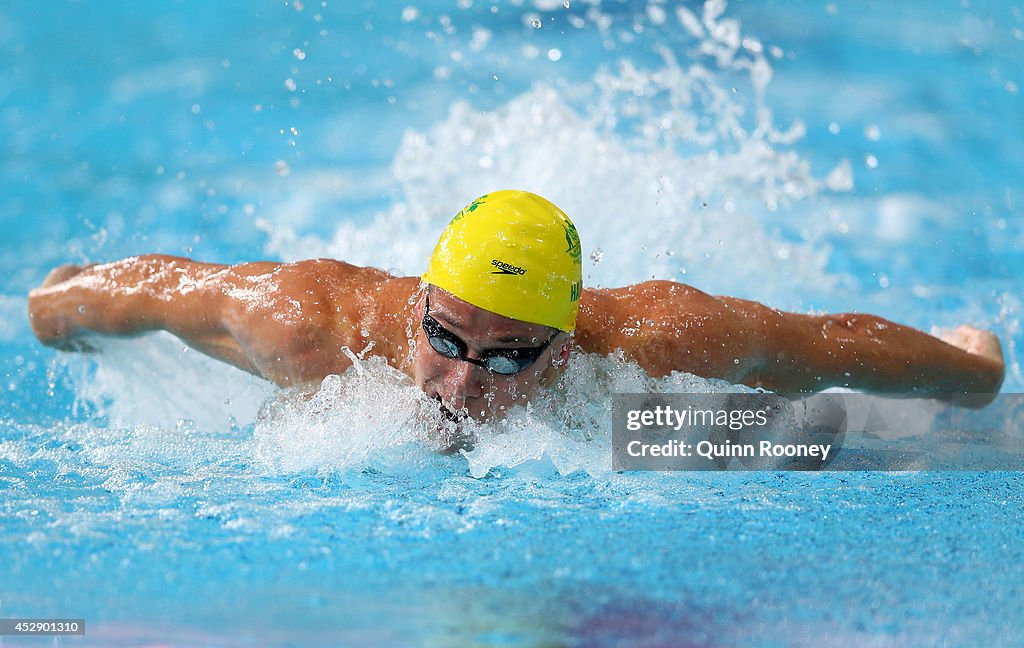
column 597, row 255
column 565, row 3
column 535, row 23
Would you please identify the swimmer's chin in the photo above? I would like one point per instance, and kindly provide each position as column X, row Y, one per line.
column 452, row 436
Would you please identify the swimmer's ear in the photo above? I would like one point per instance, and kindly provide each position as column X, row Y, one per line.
column 560, row 357
column 417, row 300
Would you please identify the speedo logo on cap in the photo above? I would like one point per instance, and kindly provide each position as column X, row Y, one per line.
column 505, row 268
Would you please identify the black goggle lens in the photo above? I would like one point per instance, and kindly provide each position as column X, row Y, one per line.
column 443, row 345
column 506, row 362
column 505, row 365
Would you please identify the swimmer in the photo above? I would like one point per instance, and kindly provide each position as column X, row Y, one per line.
column 495, row 317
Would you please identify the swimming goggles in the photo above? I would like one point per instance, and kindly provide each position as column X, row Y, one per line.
column 506, row 362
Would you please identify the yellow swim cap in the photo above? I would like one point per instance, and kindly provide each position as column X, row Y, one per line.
column 515, row 254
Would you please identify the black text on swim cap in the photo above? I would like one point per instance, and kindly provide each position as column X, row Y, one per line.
column 505, row 268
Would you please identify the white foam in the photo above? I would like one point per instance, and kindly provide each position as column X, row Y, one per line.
column 372, row 415
column 157, row 380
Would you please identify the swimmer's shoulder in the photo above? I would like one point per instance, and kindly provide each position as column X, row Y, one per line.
column 354, row 297
column 639, row 315
column 321, row 269
column 617, row 302
column 333, row 275
column 318, row 307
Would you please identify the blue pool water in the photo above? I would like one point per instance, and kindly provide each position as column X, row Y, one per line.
column 829, row 156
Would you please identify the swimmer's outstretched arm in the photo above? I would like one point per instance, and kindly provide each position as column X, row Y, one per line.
column 808, row 353
column 666, row 326
column 284, row 322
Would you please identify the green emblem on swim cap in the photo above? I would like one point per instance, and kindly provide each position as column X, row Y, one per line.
column 470, row 207
column 476, row 203
column 573, row 239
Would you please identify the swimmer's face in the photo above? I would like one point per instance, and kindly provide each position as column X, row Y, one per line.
column 466, row 389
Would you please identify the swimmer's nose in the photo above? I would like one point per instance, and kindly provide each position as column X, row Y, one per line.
column 462, row 383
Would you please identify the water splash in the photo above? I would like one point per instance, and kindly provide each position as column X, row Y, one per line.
column 156, row 380
column 371, row 416
column 569, row 429
column 647, row 158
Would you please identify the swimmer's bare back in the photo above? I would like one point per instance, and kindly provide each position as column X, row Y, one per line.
column 290, row 322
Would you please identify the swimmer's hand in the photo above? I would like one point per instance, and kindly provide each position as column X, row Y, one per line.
column 974, row 340
column 52, row 329
column 984, row 344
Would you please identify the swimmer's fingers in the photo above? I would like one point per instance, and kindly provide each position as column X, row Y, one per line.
column 954, row 337
column 975, row 341
column 61, row 274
